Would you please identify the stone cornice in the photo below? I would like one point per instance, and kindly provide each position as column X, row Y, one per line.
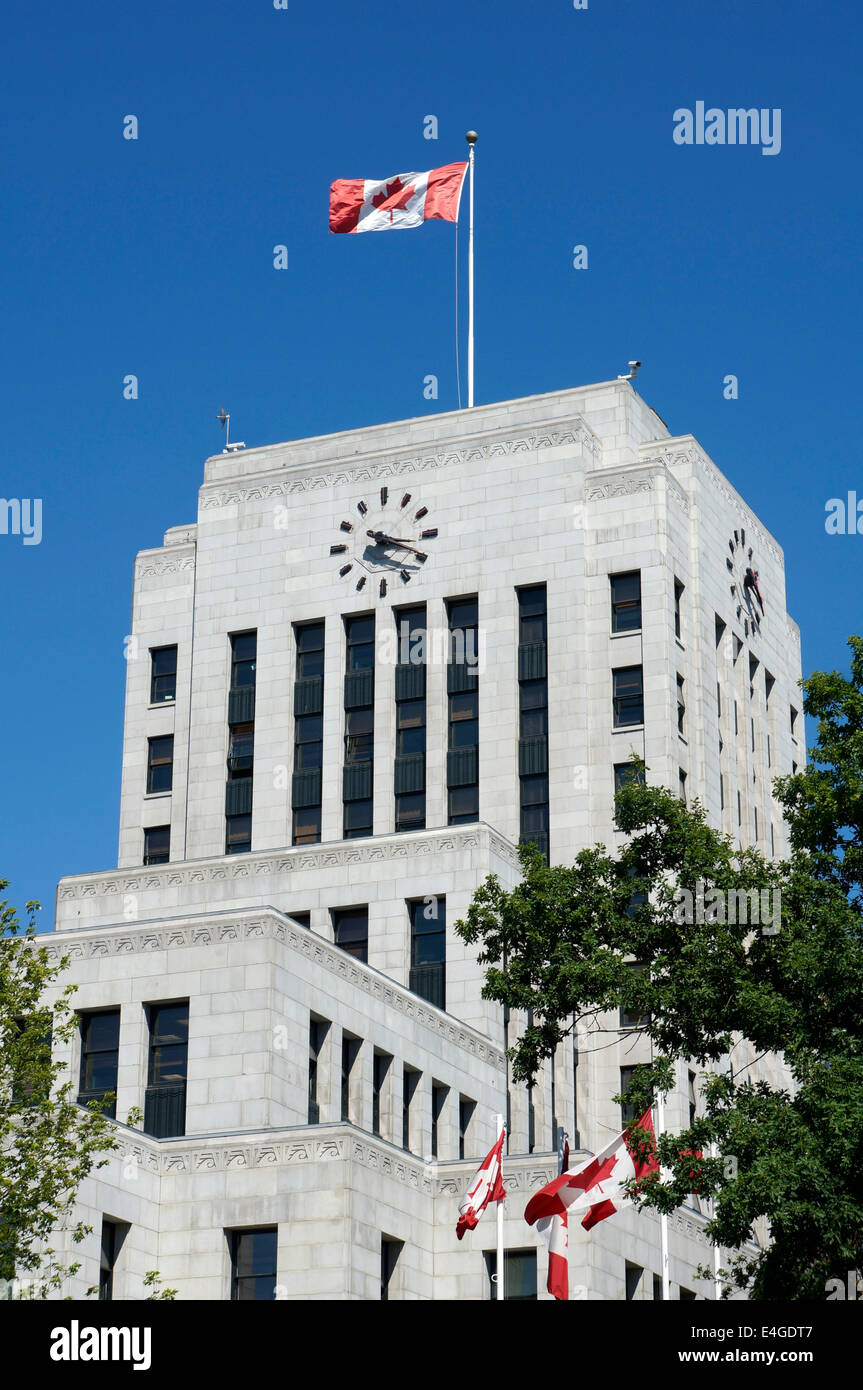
column 152, row 563
column 392, row 463
column 341, row 854
column 629, row 482
column 323, row 1144
column 268, row 924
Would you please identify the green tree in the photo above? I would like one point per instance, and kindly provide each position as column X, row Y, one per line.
column 563, row 942
column 48, row 1143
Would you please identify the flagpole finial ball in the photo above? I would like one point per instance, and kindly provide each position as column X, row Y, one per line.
column 471, row 137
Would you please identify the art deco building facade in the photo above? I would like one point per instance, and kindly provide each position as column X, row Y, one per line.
column 308, row 804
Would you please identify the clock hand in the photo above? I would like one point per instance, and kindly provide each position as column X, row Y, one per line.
column 381, row 538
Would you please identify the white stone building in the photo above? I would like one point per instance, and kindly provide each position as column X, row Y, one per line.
column 307, row 810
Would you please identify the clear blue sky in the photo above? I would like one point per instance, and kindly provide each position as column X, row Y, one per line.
column 155, row 257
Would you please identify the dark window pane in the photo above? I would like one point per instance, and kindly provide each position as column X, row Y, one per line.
column 358, row 818
column 309, row 728
column 360, row 630
column 311, row 638
column 410, row 741
column 308, row 756
column 307, row 825
column 625, row 602
column 160, row 763
column 157, row 840
column 254, row 1255
column 411, row 714
column 465, row 706
column 238, row 834
column 410, row 811
column 534, row 819
column 533, row 694
column 463, row 804
column 360, row 721
column 163, row 674
column 534, row 790
column 464, row 734
column 533, row 723
column 532, row 630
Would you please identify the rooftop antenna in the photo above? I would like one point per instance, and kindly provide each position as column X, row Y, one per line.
column 224, row 420
column 632, row 373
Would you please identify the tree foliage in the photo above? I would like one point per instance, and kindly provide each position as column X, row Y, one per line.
column 48, row 1143
column 562, row 944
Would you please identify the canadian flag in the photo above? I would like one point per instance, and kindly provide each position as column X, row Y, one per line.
column 404, row 200
column 486, row 1187
column 598, row 1186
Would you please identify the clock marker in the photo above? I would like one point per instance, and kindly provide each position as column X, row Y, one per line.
column 362, row 508
column 423, row 511
column 383, row 587
column 405, row 499
column 406, row 579
column 345, row 569
column 361, row 582
column 384, row 496
column 338, row 549
column 427, row 535
column 346, row 526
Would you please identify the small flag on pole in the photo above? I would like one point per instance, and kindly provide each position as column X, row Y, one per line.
column 486, row 1187
column 598, row 1186
column 403, row 200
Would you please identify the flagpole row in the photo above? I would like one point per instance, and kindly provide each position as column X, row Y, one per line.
column 471, row 138
column 500, row 1253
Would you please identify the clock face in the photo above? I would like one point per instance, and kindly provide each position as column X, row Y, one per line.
column 383, row 542
column 745, row 590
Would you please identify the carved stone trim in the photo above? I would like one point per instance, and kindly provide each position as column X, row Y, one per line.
column 286, row 861
column 80, row 946
column 175, row 565
column 577, row 433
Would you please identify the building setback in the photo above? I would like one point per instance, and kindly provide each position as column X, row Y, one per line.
column 379, row 660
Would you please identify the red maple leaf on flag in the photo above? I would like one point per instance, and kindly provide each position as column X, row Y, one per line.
column 391, row 200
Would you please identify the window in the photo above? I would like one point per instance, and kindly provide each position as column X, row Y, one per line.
column 633, row 1280
column 681, row 707
column 409, row 771
column 238, row 834
column 310, row 651
column 350, row 1052
column 241, row 751
column 318, row 1029
column 359, row 727
column 463, row 712
column 794, row 713
column 306, row 794
column 657, row 1288
column 633, row 1017
column 351, row 931
column 428, row 949
column 253, row 1264
column 439, row 1099
column 628, row 696
column 163, row 674
column 113, row 1235
column 626, row 774
column 466, row 1110
column 693, row 1098
column 682, row 777
column 157, row 844
column 390, row 1251
column 687, row 1297
column 628, row 1110
column 100, row 1049
column 244, row 649
column 532, row 616
column 160, row 763
column 380, row 1071
column 626, row 601
column 678, row 595
column 533, row 717
column 519, row 1275
column 165, row 1097
column 410, row 1081
column 303, row 918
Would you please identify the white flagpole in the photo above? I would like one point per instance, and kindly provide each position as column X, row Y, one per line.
column 471, row 138
column 499, row 1205
column 663, row 1218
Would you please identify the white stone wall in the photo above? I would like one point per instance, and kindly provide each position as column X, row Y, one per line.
column 563, row 489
